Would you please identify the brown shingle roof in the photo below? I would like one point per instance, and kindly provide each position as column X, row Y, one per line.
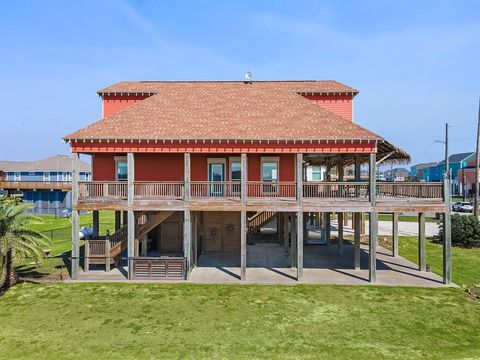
column 303, row 86
column 225, row 112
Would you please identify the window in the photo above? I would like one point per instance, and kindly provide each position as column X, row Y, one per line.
column 269, row 170
column 17, row 176
column 121, row 171
column 235, row 170
column 46, row 176
column 66, row 176
column 316, row 173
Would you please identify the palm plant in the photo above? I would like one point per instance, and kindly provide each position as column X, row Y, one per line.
column 18, row 240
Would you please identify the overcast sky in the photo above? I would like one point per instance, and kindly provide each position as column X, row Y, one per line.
column 416, row 63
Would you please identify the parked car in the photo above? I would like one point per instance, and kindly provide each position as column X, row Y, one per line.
column 462, row 207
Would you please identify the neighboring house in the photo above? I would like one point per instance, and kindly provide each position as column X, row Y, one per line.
column 466, row 178
column 456, row 163
column 44, row 183
column 198, row 166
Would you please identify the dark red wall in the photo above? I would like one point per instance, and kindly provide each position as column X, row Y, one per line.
column 103, row 167
column 169, row 167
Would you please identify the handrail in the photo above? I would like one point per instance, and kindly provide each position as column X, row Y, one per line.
column 36, row 185
column 260, row 189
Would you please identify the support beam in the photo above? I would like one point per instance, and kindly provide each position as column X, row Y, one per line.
column 328, row 227
column 373, row 223
column 299, row 173
column 96, row 223
column 243, row 245
column 118, row 220
column 421, row 242
column 75, row 218
column 243, row 179
column 340, row 214
column 285, row 233
column 357, row 218
column 187, row 242
column 395, row 234
column 130, row 213
column 299, row 246
column 125, row 217
column 280, row 227
column 293, row 251
column 372, row 247
column 186, row 177
column 340, row 234
column 447, row 236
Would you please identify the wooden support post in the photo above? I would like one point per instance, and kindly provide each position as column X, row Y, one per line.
column 243, row 178
column 118, row 220
column 421, row 242
column 186, row 177
column 293, row 251
column 395, row 234
column 328, row 227
column 356, row 239
column 107, row 255
column 96, row 223
column 130, row 213
column 125, row 217
column 340, row 234
column 243, row 245
column 447, row 236
column 86, row 259
column 340, row 215
column 372, row 247
column 299, row 246
column 305, row 228
column 373, row 223
column 280, row 227
column 75, row 218
column 187, row 242
column 285, row 233
column 299, row 174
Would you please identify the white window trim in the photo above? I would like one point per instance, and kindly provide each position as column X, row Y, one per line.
column 231, row 160
column 17, row 176
column 117, row 160
column 270, row 159
column 217, row 161
column 46, row 176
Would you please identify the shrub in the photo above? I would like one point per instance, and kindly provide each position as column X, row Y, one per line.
column 465, row 231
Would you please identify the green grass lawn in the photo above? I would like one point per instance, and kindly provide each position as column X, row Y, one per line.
column 147, row 321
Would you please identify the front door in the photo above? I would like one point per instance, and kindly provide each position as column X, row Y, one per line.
column 216, row 173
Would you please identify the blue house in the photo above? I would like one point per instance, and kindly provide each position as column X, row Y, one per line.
column 44, row 183
column 434, row 171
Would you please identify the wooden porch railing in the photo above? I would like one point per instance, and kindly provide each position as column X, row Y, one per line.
column 155, row 189
column 336, row 190
column 259, row 189
column 102, row 189
column 36, row 185
column 410, row 190
column 168, row 268
column 215, row 189
column 259, row 219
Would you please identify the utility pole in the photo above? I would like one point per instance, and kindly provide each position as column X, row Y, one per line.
column 447, row 162
column 477, row 164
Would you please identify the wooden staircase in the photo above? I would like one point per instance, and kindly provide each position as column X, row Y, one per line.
column 260, row 219
column 100, row 251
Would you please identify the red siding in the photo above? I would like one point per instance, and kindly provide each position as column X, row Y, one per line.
column 169, row 167
column 339, row 104
column 103, row 167
column 159, row 167
column 112, row 104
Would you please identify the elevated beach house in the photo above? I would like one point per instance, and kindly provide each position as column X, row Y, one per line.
column 198, row 167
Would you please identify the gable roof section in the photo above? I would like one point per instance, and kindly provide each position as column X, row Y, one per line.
column 301, row 87
column 242, row 113
column 61, row 163
column 455, row 158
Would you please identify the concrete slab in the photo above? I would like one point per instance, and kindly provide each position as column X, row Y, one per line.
column 267, row 264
